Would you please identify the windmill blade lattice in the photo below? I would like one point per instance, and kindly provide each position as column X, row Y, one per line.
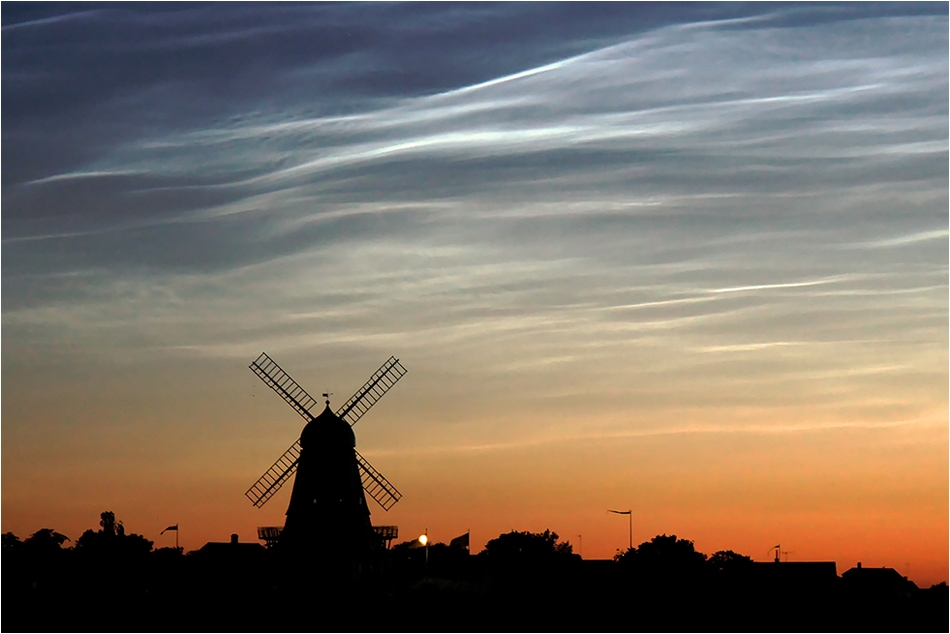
column 367, row 396
column 279, row 381
column 269, row 483
column 376, row 485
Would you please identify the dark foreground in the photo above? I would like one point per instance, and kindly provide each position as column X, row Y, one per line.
column 521, row 582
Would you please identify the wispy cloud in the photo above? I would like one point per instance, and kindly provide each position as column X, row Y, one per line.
column 628, row 213
column 761, row 287
column 601, row 437
column 904, row 240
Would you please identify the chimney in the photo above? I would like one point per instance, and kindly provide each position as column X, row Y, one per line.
column 234, row 539
column 859, row 564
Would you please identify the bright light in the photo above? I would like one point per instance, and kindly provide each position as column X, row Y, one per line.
column 423, row 539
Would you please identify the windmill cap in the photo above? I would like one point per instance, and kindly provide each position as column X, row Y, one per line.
column 327, row 430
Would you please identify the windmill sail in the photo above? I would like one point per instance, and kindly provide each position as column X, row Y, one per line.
column 269, row 483
column 376, row 485
column 367, row 396
column 279, row 381
column 274, row 478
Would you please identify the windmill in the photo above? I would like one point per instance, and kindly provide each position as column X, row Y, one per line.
column 327, row 503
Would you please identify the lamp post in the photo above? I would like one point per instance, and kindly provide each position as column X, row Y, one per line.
column 424, row 540
column 629, row 514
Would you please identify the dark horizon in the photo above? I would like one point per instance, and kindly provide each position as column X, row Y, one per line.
column 516, row 583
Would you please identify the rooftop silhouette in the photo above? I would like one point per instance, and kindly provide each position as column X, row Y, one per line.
column 111, row 580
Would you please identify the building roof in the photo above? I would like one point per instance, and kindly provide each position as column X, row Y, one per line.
column 232, row 550
column 877, row 579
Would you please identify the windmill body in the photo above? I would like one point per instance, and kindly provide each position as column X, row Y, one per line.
column 328, row 518
column 327, row 503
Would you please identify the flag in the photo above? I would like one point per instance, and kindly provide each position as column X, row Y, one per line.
column 460, row 542
column 170, row 528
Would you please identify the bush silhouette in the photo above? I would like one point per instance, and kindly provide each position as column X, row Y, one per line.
column 662, row 562
column 112, row 540
column 728, row 561
column 526, row 547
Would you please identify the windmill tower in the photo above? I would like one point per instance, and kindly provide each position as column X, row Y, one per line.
column 327, row 516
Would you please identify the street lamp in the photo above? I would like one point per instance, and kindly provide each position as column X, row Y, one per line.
column 629, row 514
column 424, row 541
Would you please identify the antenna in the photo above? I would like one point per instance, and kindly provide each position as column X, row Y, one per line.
column 778, row 551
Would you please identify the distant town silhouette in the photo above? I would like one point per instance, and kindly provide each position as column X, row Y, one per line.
column 111, row 579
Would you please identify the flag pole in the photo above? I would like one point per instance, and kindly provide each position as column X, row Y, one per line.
column 173, row 528
column 629, row 514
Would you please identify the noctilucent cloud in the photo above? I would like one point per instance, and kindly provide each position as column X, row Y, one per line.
column 686, row 259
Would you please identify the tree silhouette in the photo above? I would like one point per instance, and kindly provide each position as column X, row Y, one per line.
column 107, row 522
column 526, row 559
column 662, row 562
column 10, row 542
column 728, row 561
column 45, row 540
column 526, row 547
column 111, row 539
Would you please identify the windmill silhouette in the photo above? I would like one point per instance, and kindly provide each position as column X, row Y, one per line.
column 327, row 511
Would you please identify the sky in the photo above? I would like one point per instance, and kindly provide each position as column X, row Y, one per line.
column 687, row 260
